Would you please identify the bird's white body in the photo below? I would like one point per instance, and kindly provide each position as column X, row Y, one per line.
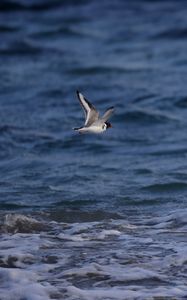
column 93, row 124
column 94, row 128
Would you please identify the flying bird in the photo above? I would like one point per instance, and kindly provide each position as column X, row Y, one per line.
column 93, row 123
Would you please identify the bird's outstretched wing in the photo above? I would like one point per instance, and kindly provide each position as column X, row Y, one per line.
column 108, row 114
column 91, row 113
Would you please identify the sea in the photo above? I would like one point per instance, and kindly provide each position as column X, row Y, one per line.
column 84, row 216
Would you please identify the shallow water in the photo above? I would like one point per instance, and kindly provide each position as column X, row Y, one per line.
column 102, row 216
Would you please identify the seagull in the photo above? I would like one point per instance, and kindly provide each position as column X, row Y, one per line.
column 93, row 124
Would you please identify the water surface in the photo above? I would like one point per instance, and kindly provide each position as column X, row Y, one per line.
column 102, row 216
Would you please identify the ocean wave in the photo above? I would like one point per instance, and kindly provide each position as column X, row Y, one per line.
column 166, row 187
column 173, row 151
column 72, row 271
column 93, row 217
column 172, row 34
column 20, row 48
column 181, row 103
column 114, row 293
column 107, row 69
column 73, row 215
column 19, row 280
column 145, row 116
column 4, row 28
column 95, row 70
column 174, row 221
column 61, row 31
column 43, row 146
column 14, row 223
column 7, row 128
column 144, row 98
column 17, row 5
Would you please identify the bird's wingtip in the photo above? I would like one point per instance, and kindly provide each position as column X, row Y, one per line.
column 111, row 108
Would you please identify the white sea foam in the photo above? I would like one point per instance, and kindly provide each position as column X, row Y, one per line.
column 135, row 292
column 21, row 278
column 87, row 232
column 96, row 294
column 74, row 238
column 179, row 255
column 21, row 284
column 105, row 233
column 94, row 260
column 167, row 221
column 21, row 268
column 115, row 272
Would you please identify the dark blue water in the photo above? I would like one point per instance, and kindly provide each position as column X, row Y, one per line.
column 92, row 204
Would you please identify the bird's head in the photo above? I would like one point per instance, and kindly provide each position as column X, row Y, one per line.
column 108, row 125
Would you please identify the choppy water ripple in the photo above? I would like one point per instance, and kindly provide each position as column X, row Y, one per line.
column 92, row 259
column 93, row 217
